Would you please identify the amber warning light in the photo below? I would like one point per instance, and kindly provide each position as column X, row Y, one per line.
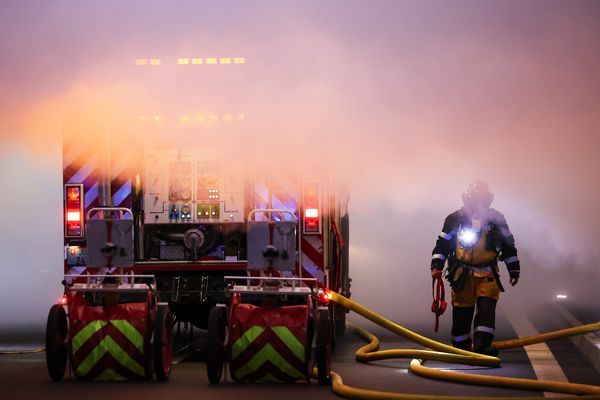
column 73, row 210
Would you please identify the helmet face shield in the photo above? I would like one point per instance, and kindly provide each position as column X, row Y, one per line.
column 477, row 196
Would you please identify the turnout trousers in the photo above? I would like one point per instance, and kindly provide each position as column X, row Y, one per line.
column 478, row 297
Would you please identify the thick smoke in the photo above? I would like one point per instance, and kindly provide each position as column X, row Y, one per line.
column 405, row 101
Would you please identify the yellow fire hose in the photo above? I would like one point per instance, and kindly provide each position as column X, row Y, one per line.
column 442, row 352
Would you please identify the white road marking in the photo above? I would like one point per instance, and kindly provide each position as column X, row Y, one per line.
column 542, row 360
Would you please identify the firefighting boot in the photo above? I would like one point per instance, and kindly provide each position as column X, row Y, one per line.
column 461, row 327
column 462, row 344
column 482, row 344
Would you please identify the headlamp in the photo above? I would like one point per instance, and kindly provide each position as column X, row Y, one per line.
column 467, row 237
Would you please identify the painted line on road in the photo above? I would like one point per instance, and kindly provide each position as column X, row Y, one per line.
column 541, row 358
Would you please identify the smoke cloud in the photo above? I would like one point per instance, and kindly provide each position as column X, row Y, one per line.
column 405, row 101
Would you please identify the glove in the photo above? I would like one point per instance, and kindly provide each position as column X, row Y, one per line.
column 435, row 272
column 514, row 276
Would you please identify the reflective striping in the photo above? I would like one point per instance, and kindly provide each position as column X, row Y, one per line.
column 439, row 257
column 511, row 259
column 462, row 338
column 268, row 354
column 108, row 345
column 120, row 165
column 260, row 199
column 91, row 195
column 245, row 340
column 445, row 236
column 110, row 374
column 290, row 340
column 486, row 329
column 84, row 171
column 70, row 155
column 505, row 232
column 286, row 203
column 123, row 192
column 86, row 333
column 312, row 259
column 130, row 332
column 313, row 270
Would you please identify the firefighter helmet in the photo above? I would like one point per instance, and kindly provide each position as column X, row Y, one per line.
column 477, row 195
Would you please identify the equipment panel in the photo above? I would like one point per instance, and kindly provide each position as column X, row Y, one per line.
column 190, row 187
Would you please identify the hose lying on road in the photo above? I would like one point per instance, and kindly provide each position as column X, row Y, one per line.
column 441, row 352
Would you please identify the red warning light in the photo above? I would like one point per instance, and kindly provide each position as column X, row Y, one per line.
column 63, row 300
column 324, row 296
column 73, row 210
column 73, row 216
column 312, row 208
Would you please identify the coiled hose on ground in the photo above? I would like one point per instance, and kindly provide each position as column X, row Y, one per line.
column 437, row 351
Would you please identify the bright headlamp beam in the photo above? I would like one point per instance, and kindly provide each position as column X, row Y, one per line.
column 467, row 237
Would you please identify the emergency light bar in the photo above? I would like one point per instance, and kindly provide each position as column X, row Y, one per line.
column 201, row 118
column 74, row 210
column 142, row 62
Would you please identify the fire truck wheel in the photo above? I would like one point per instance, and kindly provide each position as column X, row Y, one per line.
column 163, row 345
column 215, row 352
column 324, row 347
column 56, row 339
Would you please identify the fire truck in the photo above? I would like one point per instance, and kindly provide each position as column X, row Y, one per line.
column 190, row 219
column 166, row 221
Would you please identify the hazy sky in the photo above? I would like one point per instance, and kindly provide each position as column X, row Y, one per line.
column 406, row 100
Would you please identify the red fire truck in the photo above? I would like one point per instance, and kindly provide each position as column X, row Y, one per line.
column 190, row 220
column 153, row 197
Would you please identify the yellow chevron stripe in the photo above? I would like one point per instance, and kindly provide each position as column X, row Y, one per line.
column 85, row 334
column 245, row 340
column 109, row 345
column 130, row 332
column 110, row 374
column 290, row 340
column 268, row 353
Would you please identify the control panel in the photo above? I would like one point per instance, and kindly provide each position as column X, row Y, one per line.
column 190, row 187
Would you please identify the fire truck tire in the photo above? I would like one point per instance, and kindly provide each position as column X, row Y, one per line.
column 215, row 352
column 324, row 347
column 56, row 342
column 163, row 345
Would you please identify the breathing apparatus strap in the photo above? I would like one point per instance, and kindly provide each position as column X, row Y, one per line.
column 497, row 278
column 439, row 299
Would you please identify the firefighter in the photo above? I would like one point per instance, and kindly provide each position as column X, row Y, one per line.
column 473, row 239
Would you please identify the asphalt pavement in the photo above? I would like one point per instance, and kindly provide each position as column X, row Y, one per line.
column 24, row 376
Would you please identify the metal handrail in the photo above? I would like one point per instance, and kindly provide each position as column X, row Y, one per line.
column 271, row 211
column 121, row 210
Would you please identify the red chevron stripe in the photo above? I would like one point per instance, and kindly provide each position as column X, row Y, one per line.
column 313, row 254
column 268, row 337
column 108, row 361
column 269, row 368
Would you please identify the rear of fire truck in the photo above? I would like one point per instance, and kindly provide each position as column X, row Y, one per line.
column 190, row 200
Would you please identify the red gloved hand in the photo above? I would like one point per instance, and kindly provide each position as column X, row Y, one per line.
column 436, row 272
